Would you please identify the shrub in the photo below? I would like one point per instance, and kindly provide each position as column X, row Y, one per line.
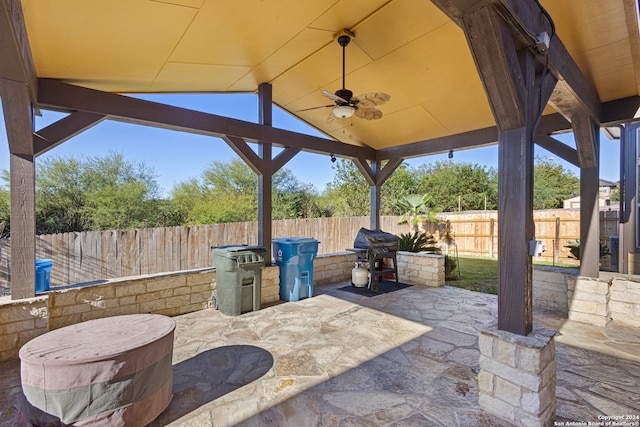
column 574, row 249
column 418, row 242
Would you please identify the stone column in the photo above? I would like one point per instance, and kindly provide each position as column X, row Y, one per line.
column 517, row 378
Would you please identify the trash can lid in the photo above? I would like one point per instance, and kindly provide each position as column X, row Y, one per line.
column 295, row 240
column 229, row 249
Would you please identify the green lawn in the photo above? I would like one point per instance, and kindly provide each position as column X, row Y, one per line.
column 476, row 274
column 480, row 274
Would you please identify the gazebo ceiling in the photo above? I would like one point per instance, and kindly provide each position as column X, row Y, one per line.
column 406, row 48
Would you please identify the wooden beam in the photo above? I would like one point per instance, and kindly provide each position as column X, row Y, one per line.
column 245, row 152
column 64, row 129
column 620, row 111
column 61, row 96
column 374, row 175
column 586, row 141
column 16, row 106
column 558, row 148
column 283, row 157
column 17, row 62
column 472, row 139
column 494, row 52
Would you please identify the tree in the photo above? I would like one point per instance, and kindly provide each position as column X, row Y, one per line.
column 467, row 185
column 97, row 193
column 348, row 193
column 552, row 184
column 228, row 192
column 615, row 193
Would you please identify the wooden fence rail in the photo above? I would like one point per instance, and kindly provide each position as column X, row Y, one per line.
column 90, row 256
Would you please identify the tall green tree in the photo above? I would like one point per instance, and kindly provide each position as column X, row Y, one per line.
column 452, row 185
column 552, row 184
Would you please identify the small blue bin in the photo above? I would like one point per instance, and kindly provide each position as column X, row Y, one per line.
column 43, row 274
column 294, row 256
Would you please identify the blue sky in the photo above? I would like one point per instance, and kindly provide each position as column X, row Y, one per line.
column 177, row 157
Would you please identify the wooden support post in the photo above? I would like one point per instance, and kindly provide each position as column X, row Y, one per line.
column 587, row 134
column 517, row 87
column 16, row 105
column 375, row 200
column 265, row 178
column 515, row 230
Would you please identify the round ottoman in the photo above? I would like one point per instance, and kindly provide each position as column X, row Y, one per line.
column 114, row 371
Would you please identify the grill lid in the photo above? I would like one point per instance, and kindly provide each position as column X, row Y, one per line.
column 370, row 239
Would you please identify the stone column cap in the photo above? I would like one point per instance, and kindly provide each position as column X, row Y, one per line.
column 538, row 338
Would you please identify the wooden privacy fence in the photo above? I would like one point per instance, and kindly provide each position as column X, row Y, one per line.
column 89, row 256
column 476, row 232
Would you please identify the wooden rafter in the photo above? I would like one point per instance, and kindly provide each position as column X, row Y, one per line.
column 64, row 129
column 61, row 96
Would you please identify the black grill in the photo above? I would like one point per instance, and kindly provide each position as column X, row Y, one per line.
column 376, row 241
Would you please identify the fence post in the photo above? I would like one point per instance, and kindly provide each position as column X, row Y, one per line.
column 491, row 236
column 556, row 242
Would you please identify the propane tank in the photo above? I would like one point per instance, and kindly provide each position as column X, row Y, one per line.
column 359, row 276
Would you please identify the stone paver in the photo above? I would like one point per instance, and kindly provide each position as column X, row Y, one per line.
column 406, row 358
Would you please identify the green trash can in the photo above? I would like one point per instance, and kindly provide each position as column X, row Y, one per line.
column 238, row 278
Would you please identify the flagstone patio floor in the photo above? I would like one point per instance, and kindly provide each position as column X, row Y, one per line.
column 404, row 358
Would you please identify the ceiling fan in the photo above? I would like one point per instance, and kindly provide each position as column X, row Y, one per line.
column 345, row 104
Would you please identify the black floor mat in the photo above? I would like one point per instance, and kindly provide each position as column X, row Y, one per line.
column 385, row 287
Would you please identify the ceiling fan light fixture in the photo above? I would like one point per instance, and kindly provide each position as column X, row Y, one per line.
column 343, row 111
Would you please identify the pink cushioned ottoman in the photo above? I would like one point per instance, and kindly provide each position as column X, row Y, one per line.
column 114, row 371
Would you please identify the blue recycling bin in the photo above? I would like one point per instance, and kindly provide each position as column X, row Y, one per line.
column 43, row 274
column 294, row 256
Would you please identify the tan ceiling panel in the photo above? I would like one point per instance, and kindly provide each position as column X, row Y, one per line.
column 397, row 24
column 346, row 14
column 75, row 40
column 611, row 70
column 196, row 77
column 467, row 111
column 580, row 23
column 303, row 45
column 244, row 33
column 187, row 3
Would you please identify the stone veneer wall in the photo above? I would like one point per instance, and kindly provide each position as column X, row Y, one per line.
column 421, row 269
column 612, row 297
column 170, row 294
column 332, row 268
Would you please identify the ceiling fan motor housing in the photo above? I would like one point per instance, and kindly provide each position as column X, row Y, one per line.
column 345, row 94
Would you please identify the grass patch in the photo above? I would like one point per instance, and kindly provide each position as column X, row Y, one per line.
column 476, row 274
column 480, row 274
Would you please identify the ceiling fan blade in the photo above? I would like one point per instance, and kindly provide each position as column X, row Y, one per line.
column 369, row 113
column 335, row 97
column 315, row 108
column 372, row 99
column 332, row 118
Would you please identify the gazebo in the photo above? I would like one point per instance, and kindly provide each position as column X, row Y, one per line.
column 460, row 74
